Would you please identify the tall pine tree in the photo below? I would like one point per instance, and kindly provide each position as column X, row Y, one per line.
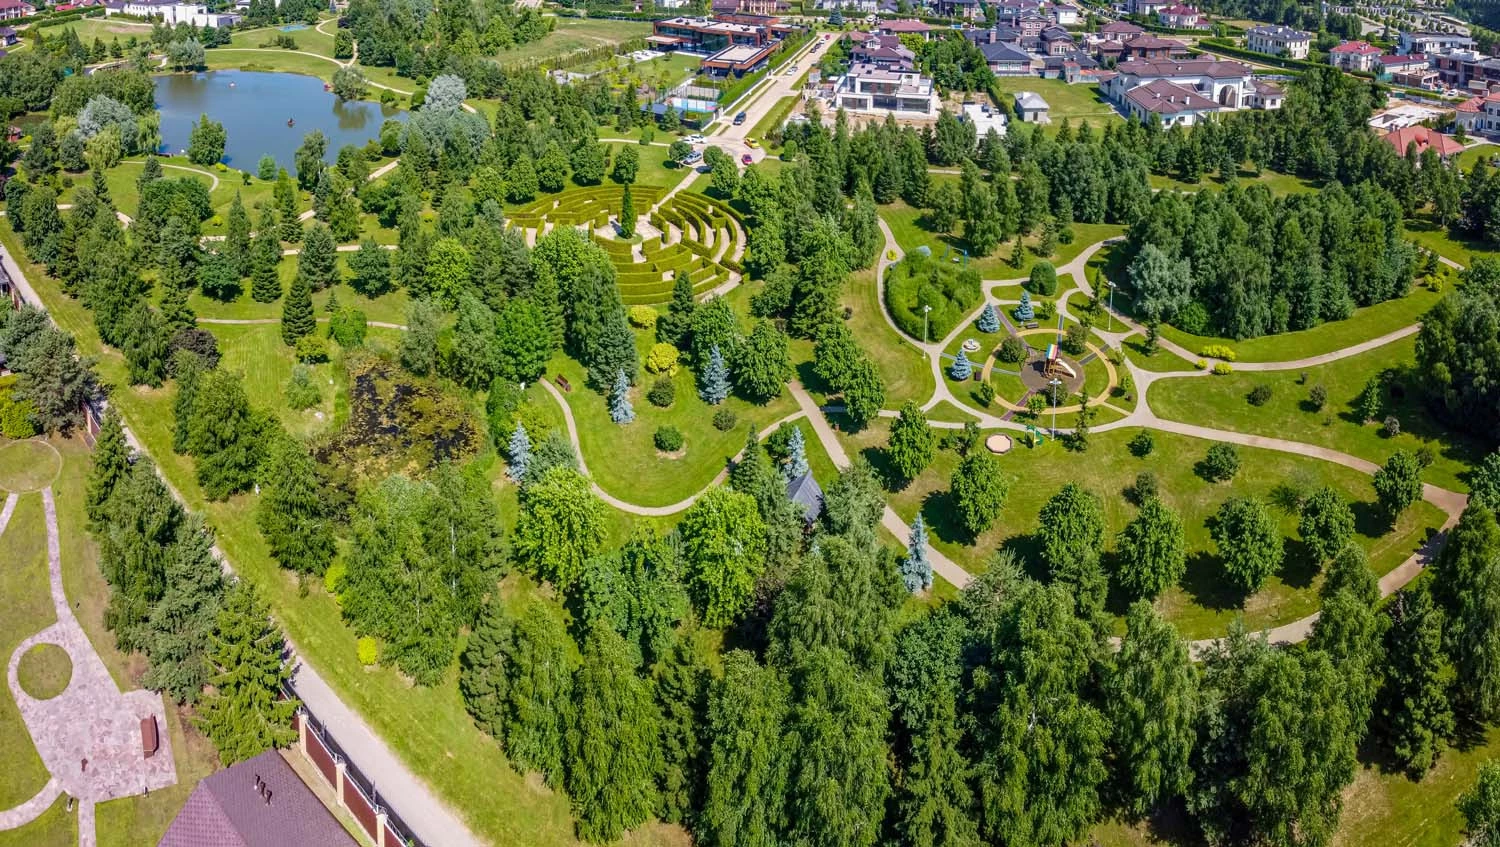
column 297, row 317
column 244, row 715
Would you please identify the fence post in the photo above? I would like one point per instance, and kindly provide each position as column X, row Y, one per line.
column 380, row 818
column 338, row 784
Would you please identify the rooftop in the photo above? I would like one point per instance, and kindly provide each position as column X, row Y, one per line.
column 1285, row 33
column 1213, row 68
column 906, row 25
column 1363, row 48
column 260, row 802
column 1424, row 139
column 1166, row 98
column 1121, row 27
column 1409, row 59
column 1030, row 100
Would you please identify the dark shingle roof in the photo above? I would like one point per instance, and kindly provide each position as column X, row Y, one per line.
column 805, row 492
column 227, row 810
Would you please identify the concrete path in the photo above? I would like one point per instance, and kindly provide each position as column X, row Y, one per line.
column 89, row 736
column 268, row 321
column 19, row 816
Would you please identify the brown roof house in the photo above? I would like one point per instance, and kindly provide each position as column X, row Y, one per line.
column 260, row 802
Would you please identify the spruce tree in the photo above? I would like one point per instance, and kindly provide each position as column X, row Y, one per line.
column 519, row 453
column 620, row 410
column 1025, row 312
column 265, row 256
column 916, row 571
column 481, row 678
column 111, row 464
column 244, row 716
column 796, row 455
column 175, row 312
column 1414, row 716
column 237, row 237
column 682, row 680
column 318, row 259
column 961, row 369
column 189, row 374
column 989, row 319
column 613, row 755
column 293, row 511
column 715, row 389
column 183, row 620
column 297, row 317
column 675, row 326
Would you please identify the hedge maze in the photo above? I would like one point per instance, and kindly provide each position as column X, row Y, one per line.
column 699, row 236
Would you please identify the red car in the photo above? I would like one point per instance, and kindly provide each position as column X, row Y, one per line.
column 745, row 159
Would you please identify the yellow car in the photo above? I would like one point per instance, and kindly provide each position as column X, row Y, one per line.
column 752, row 142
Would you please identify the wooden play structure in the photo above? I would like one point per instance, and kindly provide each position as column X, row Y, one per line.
column 1056, row 367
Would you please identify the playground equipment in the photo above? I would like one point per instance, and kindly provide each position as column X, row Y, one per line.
column 949, row 249
column 1056, row 365
column 1034, row 436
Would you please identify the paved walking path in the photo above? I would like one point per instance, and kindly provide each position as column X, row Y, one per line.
column 89, row 736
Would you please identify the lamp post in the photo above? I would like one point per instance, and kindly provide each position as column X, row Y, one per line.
column 925, row 310
column 1111, row 284
column 1054, row 383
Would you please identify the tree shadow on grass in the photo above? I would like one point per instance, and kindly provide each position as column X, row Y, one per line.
column 807, row 374
column 880, row 460
column 1370, row 520
column 940, row 513
column 1167, row 824
column 1207, row 585
column 1028, row 552
column 1299, row 564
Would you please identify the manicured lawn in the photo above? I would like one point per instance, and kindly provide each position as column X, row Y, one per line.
column 908, row 225
column 574, row 34
column 1279, row 183
column 28, row 466
column 1220, row 402
column 387, row 308
column 1074, row 102
column 906, row 371
column 57, row 827
column 28, row 610
column 44, row 671
column 1454, row 248
column 1202, row 605
column 1465, row 161
column 257, row 353
column 427, row 727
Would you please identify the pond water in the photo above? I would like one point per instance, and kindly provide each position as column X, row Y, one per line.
column 254, row 108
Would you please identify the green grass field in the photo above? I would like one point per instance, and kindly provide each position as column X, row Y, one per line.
column 902, row 366
column 573, row 34
column 1202, row 605
column 908, row 225
column 1220, row 401
column 1080, row 103
column 23, row 583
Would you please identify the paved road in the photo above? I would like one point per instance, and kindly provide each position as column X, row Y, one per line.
column 757, row 103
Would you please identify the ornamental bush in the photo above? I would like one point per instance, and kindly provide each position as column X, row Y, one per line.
column 724, row 420
column 662, row 359
column 1218, row 351
column 663, row 392
column 643, row 317
column 1012, row 350
column 668, row 439
column 1043, row 279
column 1260, row 395
column 1221, row 463
column 1223, row 369
column 368, row 649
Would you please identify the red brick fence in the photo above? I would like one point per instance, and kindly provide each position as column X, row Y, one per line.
column 352, row 789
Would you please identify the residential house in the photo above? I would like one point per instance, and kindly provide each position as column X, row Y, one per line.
column 1065, row 15
column 869, row 89
column 1432, row 42
column 1355, row 56
column 13, row 9
column 1266, row 96
column 969, row 10
column 1106, row 50
column 1120, row 31
column 883, row 51
column 260, row 802
column 1480, row 115
column 1279, row 41
column 1146, row 8
column 905, row 27
column 1071, row 68
column 1007, row 59
column 1403, row 63
column 1230, row 85
column 1466, row 69
column 172, row 12
column 1181, row 17
column 710, row 35
column 738, row 59
column 1031, row 108
column 1153, row 49
column 806, row 497
column 1057, row 42
column 1423, row 139
column 1173, row 104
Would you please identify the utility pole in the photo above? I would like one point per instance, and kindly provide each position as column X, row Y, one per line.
column 1111, row 284
column 1054, row 383
column 925, row 310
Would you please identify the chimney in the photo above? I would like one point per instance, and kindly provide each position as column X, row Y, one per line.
column 268, row 796
column 258, row 783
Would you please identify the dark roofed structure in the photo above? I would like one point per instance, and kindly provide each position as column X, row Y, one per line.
column 260, row 802
column 804, row 491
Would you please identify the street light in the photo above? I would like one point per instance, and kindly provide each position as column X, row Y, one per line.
column 1111, row 284
column 1054, row 383
column 925, row 310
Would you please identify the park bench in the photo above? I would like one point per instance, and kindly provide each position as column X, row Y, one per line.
column 563, row 383
column 150, row 739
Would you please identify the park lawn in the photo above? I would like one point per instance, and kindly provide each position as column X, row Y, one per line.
column 1078, row 103
column 1202, row 605
column 946, row 412
column 1473, row 153
column 773, row 119
column 1279, row 183
column 671, row 68
column 1220, row 401
column 427, row 727
column 1162, row 361
column 105, row 29
column 908, row 225
column 623, row 460
column 387, row 308
column 1455, row 247
column 57, row 827
column 571, row 35
column 902, row 365
column 256, row 352
column 28, row 610
column 308, row 38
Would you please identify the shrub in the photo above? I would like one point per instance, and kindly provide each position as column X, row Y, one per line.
column 643, row 317
column 1391, row 426
column 1046, row 310
column 1223, row 369
column 1145, row 487
column 724, row 420
column 334, row 576
column 347, row 327
column 16, row 416
column 986, row 394
column 1043, row 279
column 1217, row 351
column 1036, row 404
column 311, row 349
column 1317, row 397
column 301, row 393
column 1221, row 463
column 662, row 359
column 663, row 392
column 1260, row 395
column 1142, row 444
column 668, row 439
column 1201, row 364
column 1012, row 350
column 368, row 649
column 918, row 281
column 1074, row 340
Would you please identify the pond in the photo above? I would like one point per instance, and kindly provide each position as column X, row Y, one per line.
column 254, row 108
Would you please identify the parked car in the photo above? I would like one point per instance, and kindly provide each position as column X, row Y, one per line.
column 692, row 158
column 739, row 119
column 745, row 159
column 752, row 142
column 695, row 138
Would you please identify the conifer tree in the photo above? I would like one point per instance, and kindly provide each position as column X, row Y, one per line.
column 224, row 435
column 175, row 312
column 682, row 680
column 539, row 690
column 916, row 571
column 1414, row 714
column 796, row 454
column 481, row 677
column 237, row 237
column 627, row 213
column 912, row 444
column 265, row 256
column 182, row 622
column 620, row 410
column 317, row 261
column 715, row 388
column 293, row 513
column 675, row 326
column 961, row 369
column 612, row 751
column 519, row 453
column 111, row 464
column 1025, row 312
column 989, row 319
column 189, row 373
column 244, row 715
column 297, row 317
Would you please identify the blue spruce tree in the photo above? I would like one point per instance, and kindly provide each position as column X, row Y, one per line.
column 989, row 319
column 620, row 410
column 519, row 451
column 962, row 368
column 796, row 454
column 1024, row 312
column 715, row 379
column 916, row 571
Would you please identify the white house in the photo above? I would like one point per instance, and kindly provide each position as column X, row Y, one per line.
column 1230, row 85
column 1355, row 56
column 867, row 88
column 1279, row 41
column 1174, row 104
column 172, row 12
column 1031, row 108
column 1180, row 17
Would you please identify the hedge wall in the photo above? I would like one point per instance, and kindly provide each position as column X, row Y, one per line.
column 918, row 281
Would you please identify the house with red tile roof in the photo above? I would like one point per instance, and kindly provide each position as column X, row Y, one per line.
column 1423, row 139
column 1355, row 56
